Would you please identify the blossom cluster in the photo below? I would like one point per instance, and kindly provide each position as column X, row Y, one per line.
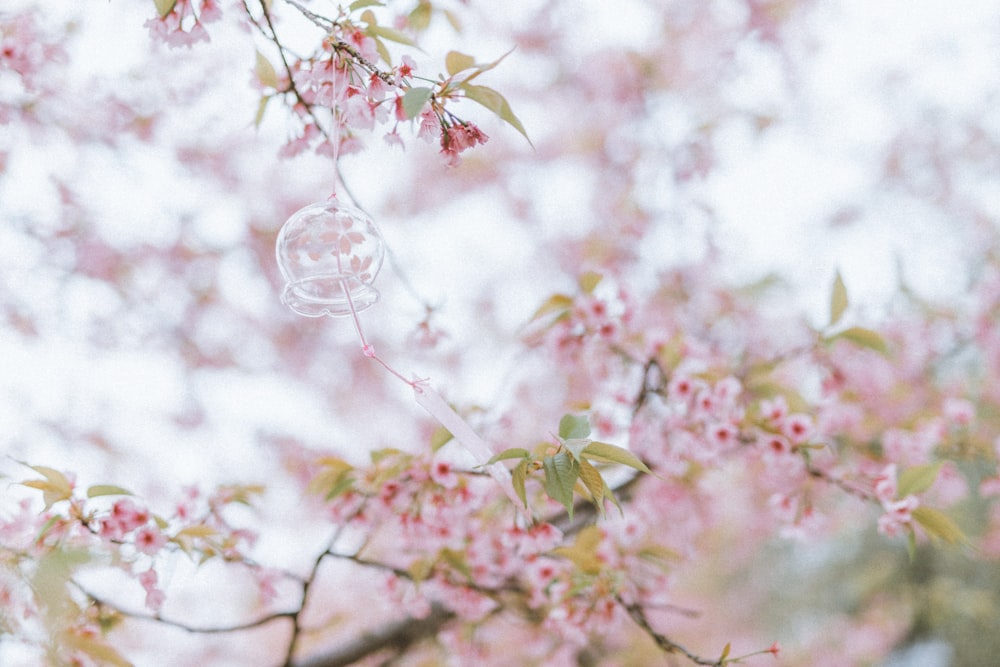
column 182, row 22
column 84, row 529
column 349, row 84
column 26, row 53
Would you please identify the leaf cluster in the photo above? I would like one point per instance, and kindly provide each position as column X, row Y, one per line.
column 570, row 467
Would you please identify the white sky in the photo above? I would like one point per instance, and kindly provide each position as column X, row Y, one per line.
column 770, row 195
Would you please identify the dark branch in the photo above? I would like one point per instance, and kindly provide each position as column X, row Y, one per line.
column 638, row 614
column 398, row 637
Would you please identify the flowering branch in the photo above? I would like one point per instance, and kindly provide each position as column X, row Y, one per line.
column 102, row 603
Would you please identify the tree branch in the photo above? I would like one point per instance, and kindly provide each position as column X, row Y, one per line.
column 194, row 629
column 397, row 636
column 638, row 614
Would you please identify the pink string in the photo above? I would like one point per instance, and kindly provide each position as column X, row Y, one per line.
column 431, row 401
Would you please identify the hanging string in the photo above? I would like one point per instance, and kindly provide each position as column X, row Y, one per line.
column 335, row 108
column 424, row 395
column 432, row 402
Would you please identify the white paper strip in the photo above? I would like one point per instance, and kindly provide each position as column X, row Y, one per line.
column 432, row 402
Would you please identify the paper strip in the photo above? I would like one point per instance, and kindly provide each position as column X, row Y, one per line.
column 431, row 401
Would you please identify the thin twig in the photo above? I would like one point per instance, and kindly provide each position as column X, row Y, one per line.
column 307, row 585
column 194, row 629
column 638, row 614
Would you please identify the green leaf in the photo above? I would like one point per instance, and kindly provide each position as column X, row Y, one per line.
column 602, row 451
column 588, row 281
column 572, row 427
column 333, row 477
column 361, row 4
column 391, row 34
column 518, row 476
column 456, row 23
column 50, row 582
column 383, row 50
column 725, row 653
column 440, row 438
column 660, row 555
column 344, row 483
column 414, row 100
column 164, row 7
column 107, row 490
column 53, row 520
column 457, row 560
column 496, row 103
column 265, row 72
column 938, row 525
column 456, row 62
column 838, row 299
column 420, row 569
column 55, row 487
column 261, row 108
column 865, row 338
column 561, row 473
column 575, row 446
column 512, row 453
column 917, row 479
column 594, row 482
column 556, row 302
column 583, row 553
column 94, row 647
column 420, row 17
column 486, row 68
column 379, row 455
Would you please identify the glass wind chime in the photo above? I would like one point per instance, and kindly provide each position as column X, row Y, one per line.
column 329, row 254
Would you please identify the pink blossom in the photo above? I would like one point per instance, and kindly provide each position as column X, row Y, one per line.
column 723, row 436
column 267, row 580
column 405, row 70
column 458, row 138
column 885, row 485
column 898, row 515
column 990, row 487
column 705, row 403
column 430, row 125
column 442, row 473
column 394, row 140
column 210, row 11
column 959, row 411
column 950, row 486
column 358, row 113
column 727, row 390
column 364, row 44
column 798, row 428
column 128, row 515
column 681, row 388
column 774, row 410
column 377, row 88
column 149, row 540
column 775, row 444
column 154, row 596
column 784, row 507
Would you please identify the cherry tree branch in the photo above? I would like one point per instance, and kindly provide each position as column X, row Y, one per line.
column 638, row 614
column 307, row 583
column 398, row 636
column 187, row 627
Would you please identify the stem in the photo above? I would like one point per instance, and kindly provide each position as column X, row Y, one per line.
column 194, row 629
column 307, row 585
column 638, row 614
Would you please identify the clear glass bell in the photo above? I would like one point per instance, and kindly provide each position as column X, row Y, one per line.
column 329, row 254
